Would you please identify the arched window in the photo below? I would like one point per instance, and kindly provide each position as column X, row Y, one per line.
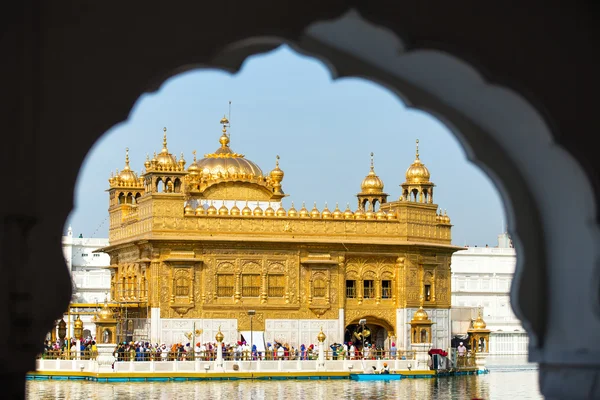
column 121, row 198
column 319, row 287
column 181, row 287
column 160, row 186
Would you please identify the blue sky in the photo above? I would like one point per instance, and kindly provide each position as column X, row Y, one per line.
column 286, row 104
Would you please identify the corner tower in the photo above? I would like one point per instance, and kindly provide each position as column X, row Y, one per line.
column 418, row 187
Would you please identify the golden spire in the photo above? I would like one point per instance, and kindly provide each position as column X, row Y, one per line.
column 164, row 149
column 194, row 153
column 126, row 158
column 372, row 167
column 417, row 149
column 224, row 139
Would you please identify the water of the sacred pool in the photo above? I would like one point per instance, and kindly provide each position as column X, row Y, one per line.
column 510, row 377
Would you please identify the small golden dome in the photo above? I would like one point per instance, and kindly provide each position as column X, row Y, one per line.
column 127, row 176
column 369, row 215
column 326, row 214
column 276, row 174
column 164, row 158
column 321, row 336
column 420, row 315
column 337, row 213
column 212, row 210
column 223, row 210
column 446, row 217
column 193, row 168
column 391, row 215
column 181, row 162
column 219, row 336
column 314, row 213
column 304, row 212
column 224, row 120
column 78, row 324
column 359, row 214
column 200, row 210
column 380, row 214
column 292, row 211
column 348, row 214
column 105, row 313
column 479, row 323
column 258, row 212
column 281, row 211
column 189, row 210
column 269, row 212
column 246, row 211
column 147, row 163
column 417, row 172
column 234, row 210
column 372, row 184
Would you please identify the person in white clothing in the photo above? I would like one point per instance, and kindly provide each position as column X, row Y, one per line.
column 280, row 352
column 352, row 351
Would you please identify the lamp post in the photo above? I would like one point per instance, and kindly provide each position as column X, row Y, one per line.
column 363, row 323
column 251, row 313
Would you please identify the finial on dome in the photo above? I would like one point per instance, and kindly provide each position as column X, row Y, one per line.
column 126, row 157
column 224, row 121
column 372, row 167
column 164, row 149
column 194, row 153
column 277, row 160
column 417, row 149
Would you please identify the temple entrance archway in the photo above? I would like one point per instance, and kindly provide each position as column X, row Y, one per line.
column 376, row 331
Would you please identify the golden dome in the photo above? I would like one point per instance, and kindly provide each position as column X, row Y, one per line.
column 326, row 214
column 479, row 323
column 337, row 213
column 359, row 214
column 164, row 158
column 105, row 313
column 314, row 213
column 212, row 210
column 246, row 211
column 276, row 174
column 188, row 210
column 380, row 214
column 370, row 215
column 258, row 212
column 147, row 163
column 304, row 212
column 348, row 214
column 234, row 210
column 269, row 212
column 421, row 315
column 292, row 211
column 219, row 336
column 281, row 211
column 391, row 215
column 193, row 168
column 417, row 172
column 200, row 210
column 78, row 324
column 446, row 217
column 127, row 177
column 372, row 184
column 321, row 336
column 225, row 163
column 223, row 210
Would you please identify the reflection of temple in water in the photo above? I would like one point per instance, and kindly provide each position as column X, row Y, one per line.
column 208, row 243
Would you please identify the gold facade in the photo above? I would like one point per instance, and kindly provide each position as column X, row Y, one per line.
column 213, row 241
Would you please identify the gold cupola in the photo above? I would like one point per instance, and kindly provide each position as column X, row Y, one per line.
column 235, row 210
column 371, row 191
column 231, row 174
column 292, row 212
column 125, row 178
column 165, row 161
column 418, row 187
column 348, row 214
column 314, row 213
column 337, row 213
column 223, row 210
column 326, row 214
column 281, row 211
column 276, row 176
column 304, row 213
column 193, row 168
column 479, row 335
column 212, row 210
column 269, row 211
column 246, row 211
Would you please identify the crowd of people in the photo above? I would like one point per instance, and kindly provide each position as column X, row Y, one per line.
column 238, row 351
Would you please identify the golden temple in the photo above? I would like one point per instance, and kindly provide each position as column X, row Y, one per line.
column 211, row 245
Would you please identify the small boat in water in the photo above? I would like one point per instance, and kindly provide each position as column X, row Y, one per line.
column 375, row 377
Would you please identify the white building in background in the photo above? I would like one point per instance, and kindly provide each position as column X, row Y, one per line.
column 91, row 279
column 481, row 277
